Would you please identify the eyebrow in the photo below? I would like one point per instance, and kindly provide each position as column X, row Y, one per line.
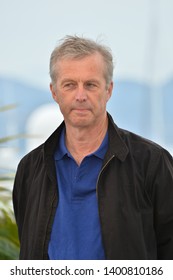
column 66, row 80
column 92, row 81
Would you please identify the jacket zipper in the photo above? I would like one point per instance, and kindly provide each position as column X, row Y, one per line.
column 103, row 168
column 101, row 173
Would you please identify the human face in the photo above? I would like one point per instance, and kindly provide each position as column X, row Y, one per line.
column 81, row 90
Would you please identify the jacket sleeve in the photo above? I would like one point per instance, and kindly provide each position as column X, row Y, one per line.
column 19, row 198
column 162, row 197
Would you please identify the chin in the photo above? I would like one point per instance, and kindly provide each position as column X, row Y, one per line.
column 81, row 123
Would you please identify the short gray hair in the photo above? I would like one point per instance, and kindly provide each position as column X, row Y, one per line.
column 74, row 47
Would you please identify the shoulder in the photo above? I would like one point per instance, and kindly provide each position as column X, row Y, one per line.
column 146, row 151
column 42, row 152
column 136, row 140
column 32, row 155
column 31, row 159
column 134, row 144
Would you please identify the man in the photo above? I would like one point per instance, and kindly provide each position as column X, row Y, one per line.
column 92, row 190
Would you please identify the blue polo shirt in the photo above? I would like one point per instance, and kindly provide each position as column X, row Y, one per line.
column 76, row 233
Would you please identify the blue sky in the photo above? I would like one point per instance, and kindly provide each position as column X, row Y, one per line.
column 139, row 33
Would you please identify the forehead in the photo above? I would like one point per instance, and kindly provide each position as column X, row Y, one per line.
column 90, row 63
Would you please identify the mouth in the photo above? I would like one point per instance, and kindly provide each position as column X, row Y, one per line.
column 81, row 110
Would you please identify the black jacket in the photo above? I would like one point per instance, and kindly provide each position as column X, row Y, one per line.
column 135, row 198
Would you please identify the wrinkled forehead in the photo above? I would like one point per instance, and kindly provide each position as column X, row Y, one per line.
column 90, row 62
column 80, row 57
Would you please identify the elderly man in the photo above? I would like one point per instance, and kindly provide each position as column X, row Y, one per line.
column 92, row 190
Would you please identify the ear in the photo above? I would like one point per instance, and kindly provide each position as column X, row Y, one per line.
column 53, row 91
column 109, row 90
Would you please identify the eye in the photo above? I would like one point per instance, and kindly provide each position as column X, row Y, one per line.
column 69, row 85
column 90, row 85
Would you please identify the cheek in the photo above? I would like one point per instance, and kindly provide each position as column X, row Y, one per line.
column 104, row 100
column 62, row 103
column 56, row 99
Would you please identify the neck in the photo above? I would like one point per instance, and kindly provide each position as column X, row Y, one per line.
column 83, row 141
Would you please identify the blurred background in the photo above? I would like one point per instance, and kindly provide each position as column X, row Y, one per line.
column 139, row 32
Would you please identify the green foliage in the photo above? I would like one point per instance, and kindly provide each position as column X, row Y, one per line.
column 7, row 107
column 9, row 243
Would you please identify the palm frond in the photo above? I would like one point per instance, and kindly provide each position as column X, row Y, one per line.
column 8, row 107
column 9, row 242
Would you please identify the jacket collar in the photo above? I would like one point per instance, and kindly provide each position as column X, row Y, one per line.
column 117, row 146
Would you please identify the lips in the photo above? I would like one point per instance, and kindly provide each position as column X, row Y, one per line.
column 81, row 109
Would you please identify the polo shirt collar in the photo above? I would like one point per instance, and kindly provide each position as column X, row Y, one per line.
column 61, row 150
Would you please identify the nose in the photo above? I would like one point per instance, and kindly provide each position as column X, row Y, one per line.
column 81, row 94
